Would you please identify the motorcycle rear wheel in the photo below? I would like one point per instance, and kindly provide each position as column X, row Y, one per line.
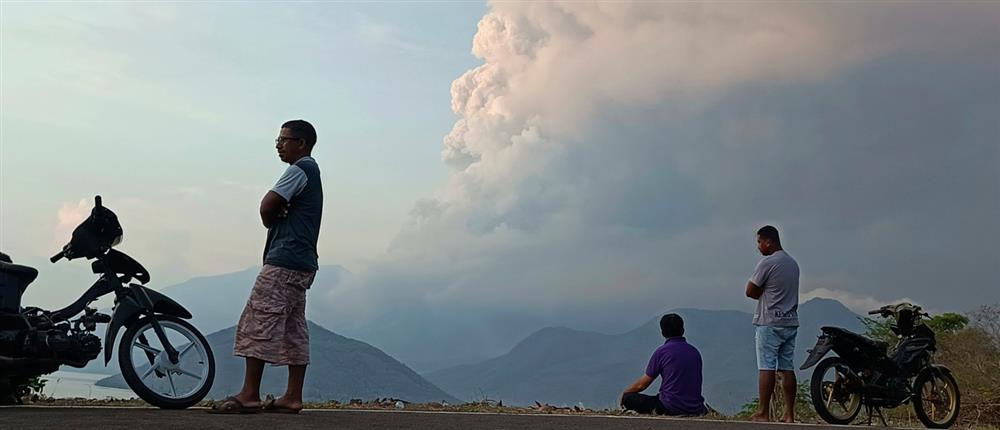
column 936, row 398
column 832, row 399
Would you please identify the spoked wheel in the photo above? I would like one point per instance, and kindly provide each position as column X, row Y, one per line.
column 832, row 395
column 936, row 398
column 150, row 373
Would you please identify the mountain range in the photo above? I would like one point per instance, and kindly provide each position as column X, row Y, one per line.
column 563, row 366
column 558, row 365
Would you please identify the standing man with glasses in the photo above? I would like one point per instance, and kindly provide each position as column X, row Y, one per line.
column 273, row 326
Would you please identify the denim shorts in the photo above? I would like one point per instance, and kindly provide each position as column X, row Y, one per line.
column 775, row 347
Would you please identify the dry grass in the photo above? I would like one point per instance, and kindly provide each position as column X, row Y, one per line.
column 973, row 355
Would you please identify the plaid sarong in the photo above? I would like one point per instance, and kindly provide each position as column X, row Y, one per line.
column 273, row 325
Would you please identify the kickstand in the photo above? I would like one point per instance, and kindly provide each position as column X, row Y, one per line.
column 881, row 417
column 872, row 410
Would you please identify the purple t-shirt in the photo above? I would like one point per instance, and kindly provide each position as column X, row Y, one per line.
column 679, row 366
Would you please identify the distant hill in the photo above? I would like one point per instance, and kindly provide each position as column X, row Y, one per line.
column 341, row 369
column 559, row 365
column 215, row 302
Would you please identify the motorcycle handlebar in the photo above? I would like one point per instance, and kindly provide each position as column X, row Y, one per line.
column 58, row 256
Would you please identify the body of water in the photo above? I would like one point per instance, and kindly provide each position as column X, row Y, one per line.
column 68, row 385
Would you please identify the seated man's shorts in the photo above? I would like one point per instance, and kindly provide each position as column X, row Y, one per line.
column 646, row 404
column 775, row 347
column 273, row 325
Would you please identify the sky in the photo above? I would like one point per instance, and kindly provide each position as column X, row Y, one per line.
column 517, row 164
column 169, row 110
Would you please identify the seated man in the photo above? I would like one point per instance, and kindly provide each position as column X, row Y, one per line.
column 679, row 364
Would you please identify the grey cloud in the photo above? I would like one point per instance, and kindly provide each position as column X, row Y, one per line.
column 613, row 161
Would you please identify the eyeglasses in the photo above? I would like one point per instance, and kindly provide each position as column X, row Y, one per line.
column 280, row 139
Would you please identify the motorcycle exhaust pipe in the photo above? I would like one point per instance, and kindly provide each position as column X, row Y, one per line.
column 853, row 376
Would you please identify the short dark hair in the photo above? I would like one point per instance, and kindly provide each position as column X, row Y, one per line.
column 672, row 325
column 302, row 129
column 769, row 232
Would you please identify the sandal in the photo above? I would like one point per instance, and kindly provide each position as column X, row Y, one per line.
column 270, row 406
column 230, row 405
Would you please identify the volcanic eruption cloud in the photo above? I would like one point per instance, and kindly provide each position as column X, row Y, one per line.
column 611, row 160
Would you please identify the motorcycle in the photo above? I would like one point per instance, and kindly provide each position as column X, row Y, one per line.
column 164, row 359
column 867, row 373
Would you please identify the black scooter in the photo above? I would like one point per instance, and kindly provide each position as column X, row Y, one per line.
column 867, row 373
column 163, row 358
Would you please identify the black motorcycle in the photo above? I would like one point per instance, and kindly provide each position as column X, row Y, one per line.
column 163, row 358
column 867, row 373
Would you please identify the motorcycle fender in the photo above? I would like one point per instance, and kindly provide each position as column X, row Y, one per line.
column 823, row 345
column 135, row 304
column 938, row 369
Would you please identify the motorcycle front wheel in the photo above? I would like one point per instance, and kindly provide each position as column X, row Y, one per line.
column 936, row 398
column 831, row 395
column 149, row 372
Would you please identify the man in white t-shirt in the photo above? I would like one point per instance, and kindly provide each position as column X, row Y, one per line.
column 775, row 286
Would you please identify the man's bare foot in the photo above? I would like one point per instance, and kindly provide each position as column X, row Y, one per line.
column 788, row 419
column 759, row 417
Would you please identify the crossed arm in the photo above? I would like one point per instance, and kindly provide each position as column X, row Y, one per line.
column 753, row 291
column 272, row 207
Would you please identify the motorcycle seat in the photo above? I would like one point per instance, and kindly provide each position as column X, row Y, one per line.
column 837, row 331
column 14, row 279
column 27, row 274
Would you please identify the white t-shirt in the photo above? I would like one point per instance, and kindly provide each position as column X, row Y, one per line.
column 778, row 275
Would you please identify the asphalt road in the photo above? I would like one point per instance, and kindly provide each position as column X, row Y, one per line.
column 45, row 417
